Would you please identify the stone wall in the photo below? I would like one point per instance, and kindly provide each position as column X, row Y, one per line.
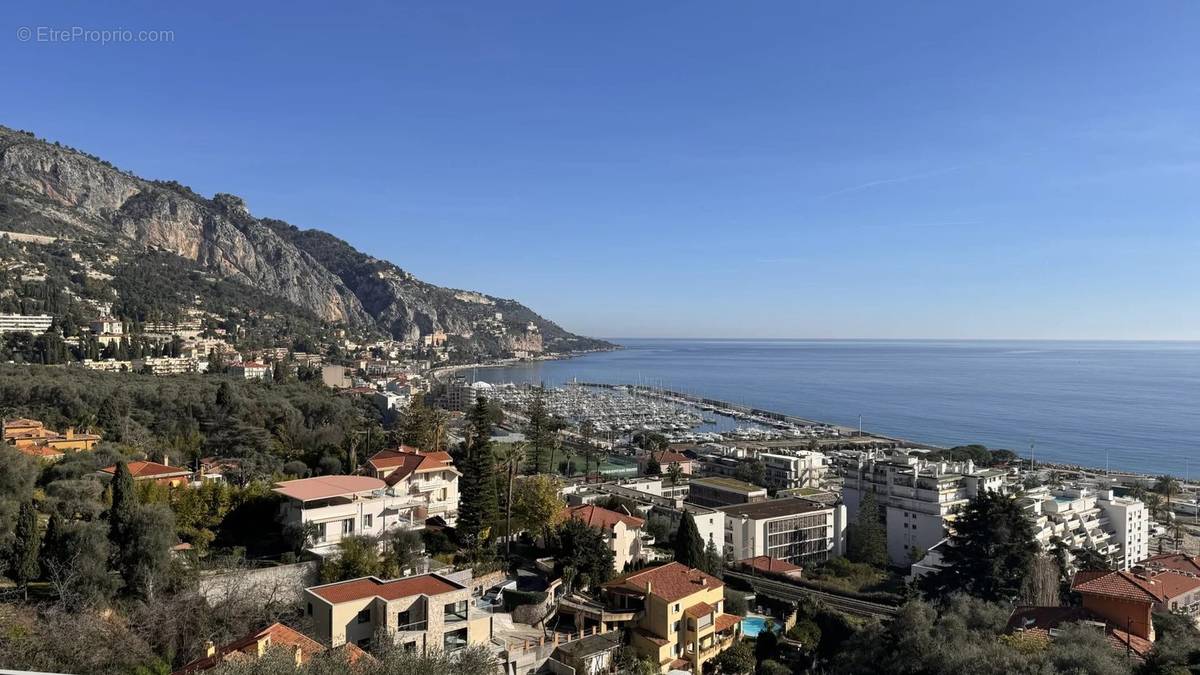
column 280, row 583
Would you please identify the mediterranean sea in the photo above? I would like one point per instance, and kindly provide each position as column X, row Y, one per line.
column 1132, row 405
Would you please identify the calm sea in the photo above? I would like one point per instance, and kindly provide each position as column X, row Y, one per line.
column 1135, row 405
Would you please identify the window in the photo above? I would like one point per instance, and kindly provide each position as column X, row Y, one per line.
column 677, row 607
column 348, row 526
column 456, row 611
column 367, row 519
column 675, row 627
column 364, row 616
column 309, row 609
column 455, row 640
column 319, row 537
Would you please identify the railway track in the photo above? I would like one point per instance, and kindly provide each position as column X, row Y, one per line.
column 783, row 590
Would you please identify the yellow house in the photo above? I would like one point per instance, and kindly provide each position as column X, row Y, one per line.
column 33, row 438
column 680, row 622
column 623, row 532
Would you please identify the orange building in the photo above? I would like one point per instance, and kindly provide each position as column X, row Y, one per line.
column 33, row 438
column 255, row 645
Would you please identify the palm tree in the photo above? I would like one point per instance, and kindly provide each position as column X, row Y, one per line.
column 510, row 457
column 1167, row 486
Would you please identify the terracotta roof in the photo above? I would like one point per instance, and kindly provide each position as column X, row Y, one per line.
column 326, row 487
column 699, row 609
column 726, row 621
column 40, row 451
column 667, row 457
column 1041, row 620
column 21, row 423
column 149, row 470
column 650, row 637
column 598, row 516
column 1139, row 584
column 407, row 461
column 1180, row 562
column 670, row 582
column 368, row 587
column 764, row 563
column 275, row 635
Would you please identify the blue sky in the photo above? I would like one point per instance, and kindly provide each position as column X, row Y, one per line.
column 791, row 169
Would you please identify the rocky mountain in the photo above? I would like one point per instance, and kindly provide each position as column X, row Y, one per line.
column 49, row 189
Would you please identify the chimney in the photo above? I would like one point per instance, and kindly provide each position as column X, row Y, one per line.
column 166, row 459
column 209, row 648
column 649, row 587
column 70, row 433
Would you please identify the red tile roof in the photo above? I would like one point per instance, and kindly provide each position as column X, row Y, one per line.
column 600, row 517
column 1041, row 620
column 368, row 587
column 764, row 563
column 1180, row 562
column 275, row 635
column 670, row 582
column 41, row 451
column 699, row 609
column 1139, row 584
column 668, row 457
column 407, row 461
column 726, row 621
column 149, row 470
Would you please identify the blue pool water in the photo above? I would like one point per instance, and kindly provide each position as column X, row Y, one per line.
column 753, row 625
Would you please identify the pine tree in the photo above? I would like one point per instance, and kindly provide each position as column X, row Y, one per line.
column 23, row 564
column 539, row 432
column 868, row 540
column 479, row 505
column 990, row 553
column 714, row 564
column 689, row 546
column 52, row 542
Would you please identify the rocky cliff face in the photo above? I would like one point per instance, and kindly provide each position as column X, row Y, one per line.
column 49, row 189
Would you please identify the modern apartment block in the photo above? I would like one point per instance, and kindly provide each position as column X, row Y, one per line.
column 676, row 616
column 917, row 496
column 430, row 476
column 1115, row 527
column 20, row 323
column 344, row 506
column 794, row 530
column 800, row 469
column 427, row 611
column 722, row 491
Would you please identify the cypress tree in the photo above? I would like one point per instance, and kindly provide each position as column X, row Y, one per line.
column 689, row 546
column 868, row 540
column 52, row 543
column 23, row 565
column 121, row 516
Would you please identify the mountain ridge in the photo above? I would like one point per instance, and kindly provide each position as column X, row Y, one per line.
column 50, row 189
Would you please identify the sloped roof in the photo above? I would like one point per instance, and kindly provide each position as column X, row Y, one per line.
column 1139, row 585
column 598, row 516
column 1180, row 562
column 726, row 621
column 699, row 609
column 275, row 635
column 367, row 587
column 1041, row 620
column 670, row 582
column 141, row 469
column 407, row 460
column 764, row 563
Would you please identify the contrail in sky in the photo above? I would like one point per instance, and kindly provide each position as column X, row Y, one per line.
column 888, row 181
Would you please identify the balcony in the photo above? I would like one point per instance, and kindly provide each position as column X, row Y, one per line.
column 414, row 626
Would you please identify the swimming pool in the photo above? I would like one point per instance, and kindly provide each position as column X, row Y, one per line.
column 753, row 625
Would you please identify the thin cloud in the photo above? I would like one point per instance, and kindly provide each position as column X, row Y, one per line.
column 891, row 181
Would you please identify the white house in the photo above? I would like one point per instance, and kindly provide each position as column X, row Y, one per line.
column 430, row 476
column 345, row 506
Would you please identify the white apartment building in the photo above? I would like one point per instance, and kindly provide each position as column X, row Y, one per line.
column 168, row 365
column 1115, row 527
column 428, row 476
column 346, row 506
column 917, row 496
column 250, row 370
column 795, row 530
column 801, row 469
column 19, row 323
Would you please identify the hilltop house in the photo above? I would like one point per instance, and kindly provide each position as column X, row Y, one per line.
column 163, row 474
column 33, row 438
column 255, row 645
